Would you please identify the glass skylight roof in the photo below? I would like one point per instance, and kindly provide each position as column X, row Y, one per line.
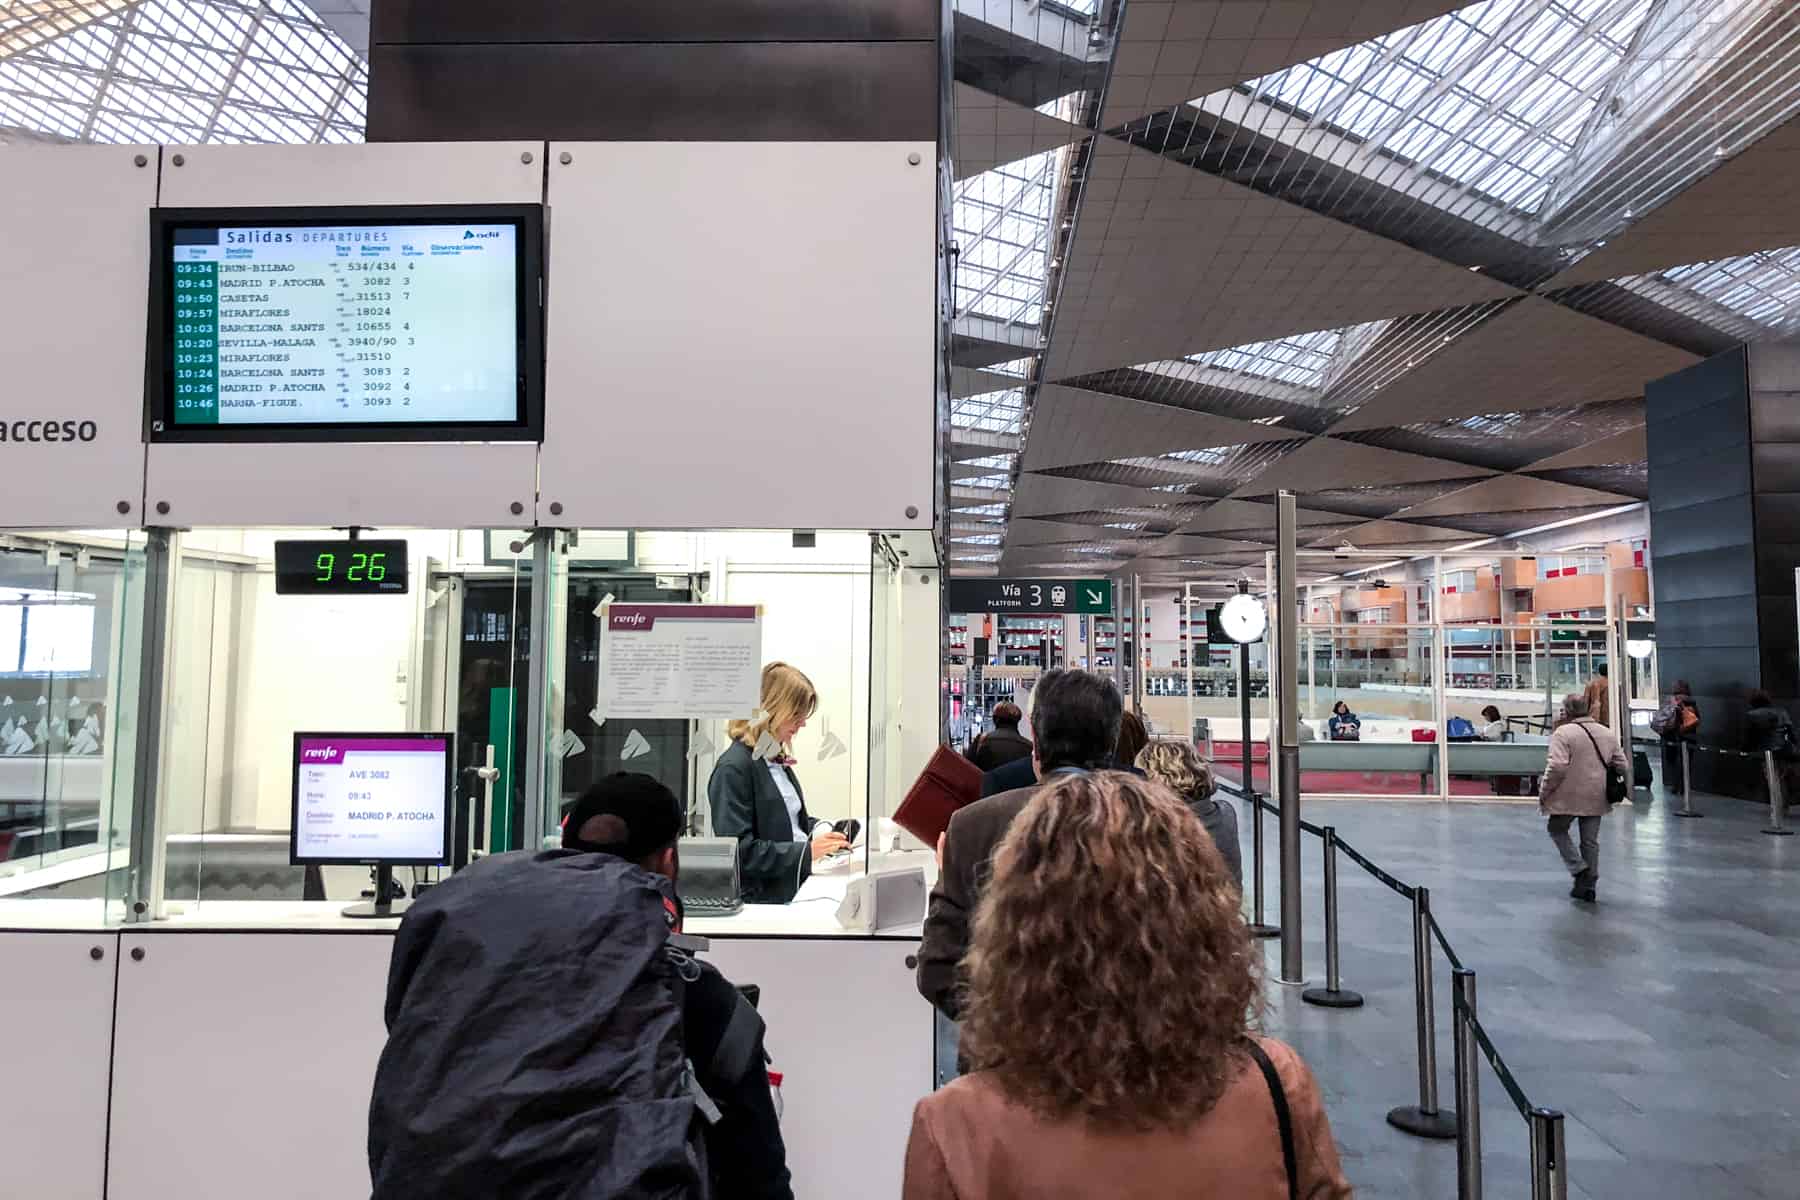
column 179, row 71
column 1302, row 360
column 1492, row 97
column 1747, row 296
column 994, row 412
column 1002, row 220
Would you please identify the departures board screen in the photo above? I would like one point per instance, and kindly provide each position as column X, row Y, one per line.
column 412, row 324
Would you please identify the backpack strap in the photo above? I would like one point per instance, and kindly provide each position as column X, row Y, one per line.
column 1283, row 1118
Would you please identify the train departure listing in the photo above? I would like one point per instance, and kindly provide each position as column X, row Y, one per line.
column 344, row 325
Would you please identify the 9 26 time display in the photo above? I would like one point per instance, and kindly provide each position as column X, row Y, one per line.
column 340, row 568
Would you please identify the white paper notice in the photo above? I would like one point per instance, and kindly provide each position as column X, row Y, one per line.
column 697, row 661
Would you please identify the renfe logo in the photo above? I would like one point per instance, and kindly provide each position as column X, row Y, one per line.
column 630, row 619
column 322, row 753
column 325, row 753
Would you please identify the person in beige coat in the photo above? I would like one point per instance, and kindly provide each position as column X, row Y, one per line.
column 1106, row 1026
column 1574, row 790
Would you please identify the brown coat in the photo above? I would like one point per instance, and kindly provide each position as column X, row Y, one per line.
column 975, row 833
column 1575, row 779
column 1599, row 699
column 970, row 1142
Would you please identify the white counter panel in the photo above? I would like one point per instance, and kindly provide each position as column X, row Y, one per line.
column 852, row 1038
column 244, row 1063
column 56, row 1007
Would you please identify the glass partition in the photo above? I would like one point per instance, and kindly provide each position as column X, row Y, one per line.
column 71, row 624
column 664, row 675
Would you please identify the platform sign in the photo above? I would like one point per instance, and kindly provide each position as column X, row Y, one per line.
column 1029, row 596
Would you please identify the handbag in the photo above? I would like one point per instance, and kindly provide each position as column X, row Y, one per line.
column 1618, row 787
column 1283, row 1118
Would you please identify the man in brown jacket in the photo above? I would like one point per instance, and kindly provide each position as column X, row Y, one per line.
column 1599, row 695
column 1075, row 719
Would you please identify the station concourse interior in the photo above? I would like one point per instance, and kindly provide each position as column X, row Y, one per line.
column 947, row 344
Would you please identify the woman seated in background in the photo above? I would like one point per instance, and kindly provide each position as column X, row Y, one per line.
column 1493, row 728
column 1344, row 725
column 1106, row 1027
column 1175, row 764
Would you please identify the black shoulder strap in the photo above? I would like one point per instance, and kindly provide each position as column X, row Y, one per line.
column 1283, row 1119
column 1604, row 764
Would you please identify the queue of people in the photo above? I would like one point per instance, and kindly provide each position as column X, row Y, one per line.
column 550, row 1033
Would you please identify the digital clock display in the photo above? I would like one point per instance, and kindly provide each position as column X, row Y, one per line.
column 402, row 324
column 340, row 568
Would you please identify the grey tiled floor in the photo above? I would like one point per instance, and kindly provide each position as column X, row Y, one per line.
column 1664, row 1021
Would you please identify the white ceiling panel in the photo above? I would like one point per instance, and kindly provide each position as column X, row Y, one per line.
column 1533, row 355
column 1620, row 448
column 1170, row 53
column 1040, row 495
column 991, row 131
column 1169, row 261
column 1508, row 492
column 1071, row 426
column 1329, row 463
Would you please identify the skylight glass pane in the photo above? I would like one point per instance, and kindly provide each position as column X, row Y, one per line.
column 1302, row 360
column 186, row 71
column 1748, row 296
column 992, row 412
column 1002, row 219
column 1492, row 97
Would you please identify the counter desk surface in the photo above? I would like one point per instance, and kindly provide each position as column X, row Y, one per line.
column 813, row 912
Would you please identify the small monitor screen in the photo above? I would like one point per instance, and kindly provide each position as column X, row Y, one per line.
column 386, row 328
column 372, row 798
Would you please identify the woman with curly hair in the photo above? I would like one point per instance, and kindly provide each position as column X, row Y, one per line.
column 1107, row 1026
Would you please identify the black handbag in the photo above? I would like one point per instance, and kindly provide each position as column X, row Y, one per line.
column 1618, row 786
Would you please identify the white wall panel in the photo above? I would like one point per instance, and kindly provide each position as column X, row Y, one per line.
column 852, row 1039
column 443, row 485
column 74, row 287
column 740, row 335
column 56, row 1006
column 244, row 1063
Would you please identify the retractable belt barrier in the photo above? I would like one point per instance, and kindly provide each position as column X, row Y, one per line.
column 1772, row 780
column 1549, row 1164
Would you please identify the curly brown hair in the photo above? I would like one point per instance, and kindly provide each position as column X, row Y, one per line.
column 1111, row 976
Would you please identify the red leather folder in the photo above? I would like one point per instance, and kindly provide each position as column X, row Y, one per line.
column 948, row 782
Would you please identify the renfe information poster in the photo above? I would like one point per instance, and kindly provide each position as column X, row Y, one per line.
column 414, row 323
column 695, row 661
column 371, row 799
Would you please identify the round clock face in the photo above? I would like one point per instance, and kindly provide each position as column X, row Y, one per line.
column 1243, row 618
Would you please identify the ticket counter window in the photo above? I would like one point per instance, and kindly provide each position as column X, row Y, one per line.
column 260, row 654
column 70, row 622
column 771, row 760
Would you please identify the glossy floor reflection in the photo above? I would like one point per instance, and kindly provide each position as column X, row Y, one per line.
column 1664, row 1021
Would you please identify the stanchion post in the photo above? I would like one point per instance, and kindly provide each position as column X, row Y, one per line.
column 1284, row 701
column 1549, row 1165
column 1687, row 787
column 1777, row 798
column 1424, row 1119
column 1468, row 1086
column 1258, row 927
column 1332, row 995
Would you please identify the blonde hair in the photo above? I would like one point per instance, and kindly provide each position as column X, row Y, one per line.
column 787, row 696
column 1178, row 766
column 1111, row 976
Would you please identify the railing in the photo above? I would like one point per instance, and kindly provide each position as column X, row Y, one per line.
column 1777, row 826
column 1549, row 1164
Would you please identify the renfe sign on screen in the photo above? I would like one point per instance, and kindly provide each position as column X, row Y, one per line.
column 334, row 325
column 370, row 799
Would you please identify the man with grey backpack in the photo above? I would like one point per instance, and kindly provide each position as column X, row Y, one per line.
column 1587, row 774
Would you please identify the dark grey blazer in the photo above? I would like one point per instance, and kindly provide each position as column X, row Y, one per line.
column 748, row 806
